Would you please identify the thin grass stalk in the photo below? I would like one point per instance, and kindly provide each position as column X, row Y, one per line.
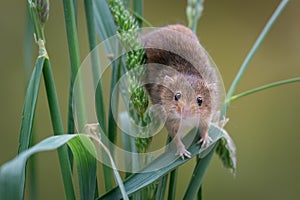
column 172, row 184
column 258, row 89
column 28, row 58
column 138, row 9
column 32, row 84
column 74, row 55
column 193, row 11
column 200, row 193
column 58, row 130
column 106, row 28
column 112, row 126
column 198, row 11
column 116, row 74
column 253, row 50
column 198, row 176
column 89, row 13
column 161, row 187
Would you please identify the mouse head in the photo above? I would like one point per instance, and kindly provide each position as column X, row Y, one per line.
column 186, row 96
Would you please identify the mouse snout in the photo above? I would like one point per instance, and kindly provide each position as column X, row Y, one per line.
column 186, row 112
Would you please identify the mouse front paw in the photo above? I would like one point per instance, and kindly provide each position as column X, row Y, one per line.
column 183, row 152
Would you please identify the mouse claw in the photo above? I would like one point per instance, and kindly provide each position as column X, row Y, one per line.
column 205, row 141
column 182, row 152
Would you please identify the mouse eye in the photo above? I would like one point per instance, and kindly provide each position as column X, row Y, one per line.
column 177, row 96
column 199, row 101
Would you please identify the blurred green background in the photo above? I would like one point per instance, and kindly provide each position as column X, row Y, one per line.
column 265, row 126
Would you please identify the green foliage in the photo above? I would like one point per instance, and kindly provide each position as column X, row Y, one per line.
column 150, row 183
column 12, row 174
column 30, row 105
column 128, row 34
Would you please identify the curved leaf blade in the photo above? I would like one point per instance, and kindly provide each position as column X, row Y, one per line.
column 12, row 173
column 86, row 165
column 144, row 178
column 30, row 104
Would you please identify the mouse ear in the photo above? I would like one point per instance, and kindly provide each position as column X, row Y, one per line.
column 168, row 79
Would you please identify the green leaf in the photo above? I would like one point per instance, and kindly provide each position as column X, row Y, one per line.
column 161, row 187
column 148, row 175
column 12, row 173
column 138, row 9
column 74, row 56
column 172, row 184
column 86, row 165
column 100, row 109
column 106, row 28
column 30, row 105
column 253, row 50
column 227, row 153
column 197, row 177
column 105, row 24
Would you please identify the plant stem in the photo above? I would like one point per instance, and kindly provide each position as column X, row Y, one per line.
column 95, row 62
column 172, row 184
column 197, row 15
column 58, row 130
column 198, row 175
column 89, row 13
column 28, row 57
column 254, row 48
column 200, row 193
column 235, row 97
column 138, row 8
column 74, row 60
column 193, row 12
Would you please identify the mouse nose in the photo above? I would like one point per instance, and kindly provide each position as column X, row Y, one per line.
column 186, row 111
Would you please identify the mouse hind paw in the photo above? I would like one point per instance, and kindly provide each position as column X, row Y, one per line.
column 182, row 152
column 205, row 141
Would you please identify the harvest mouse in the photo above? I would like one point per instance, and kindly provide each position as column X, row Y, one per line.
column 181, row 78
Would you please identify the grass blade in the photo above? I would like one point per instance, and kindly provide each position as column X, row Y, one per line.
column 254, row 48
column 161, row 188
column 275, row 84
column 104, row 22
column 113, row 166
column 86, row 165
column 100, row 109
column 172, row 184
column 106, row 28
column 89, row 11
column 30, row 105
column 138, row 181
column 74, row 55
column 138, row 9
column 197, row 177
column 28, row 63
column 12, row 173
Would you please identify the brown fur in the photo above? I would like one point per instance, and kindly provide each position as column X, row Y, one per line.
column 178, row 63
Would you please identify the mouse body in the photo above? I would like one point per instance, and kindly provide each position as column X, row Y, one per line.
column 181, row 78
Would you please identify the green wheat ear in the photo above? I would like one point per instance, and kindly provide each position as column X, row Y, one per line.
column 128, row 34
